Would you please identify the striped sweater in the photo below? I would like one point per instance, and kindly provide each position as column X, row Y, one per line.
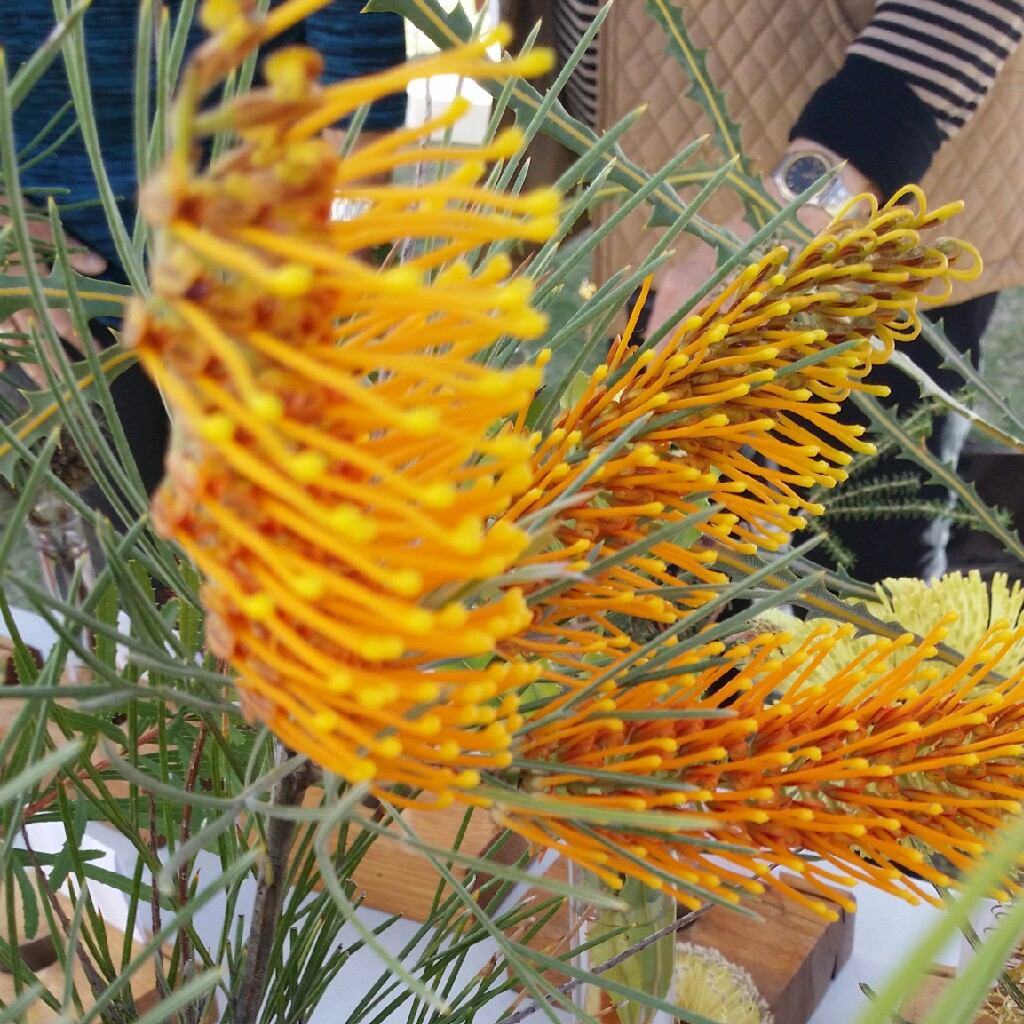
column 927, row 63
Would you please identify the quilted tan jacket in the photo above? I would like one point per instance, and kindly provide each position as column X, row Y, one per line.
column 767, row 56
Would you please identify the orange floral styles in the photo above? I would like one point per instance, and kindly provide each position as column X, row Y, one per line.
column 718, row 774
column 761, row 370
column 335, row 472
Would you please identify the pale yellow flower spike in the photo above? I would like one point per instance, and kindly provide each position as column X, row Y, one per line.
column 335, row 471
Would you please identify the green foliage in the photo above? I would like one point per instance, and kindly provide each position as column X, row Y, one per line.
column 148, row 741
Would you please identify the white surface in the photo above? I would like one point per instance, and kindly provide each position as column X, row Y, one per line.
column 886, row 930
column 33, row 630
column 430, row 98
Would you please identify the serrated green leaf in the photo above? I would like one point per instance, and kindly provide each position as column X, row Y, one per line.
column 99, row 297
column 29, row 900
column 43, row 413
column 107, row 608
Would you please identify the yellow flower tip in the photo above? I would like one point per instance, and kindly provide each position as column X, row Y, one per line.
column 402, row 280
column 351, row 524
column 514, row 293
column 506, row 144
column 258, row 607
column 527, row 324
column 447, row 751
column 418, row 621
column 542, row 360
column 825, row 910
column 811, row 753
column 216, row 428
column 381, row 648
column 324, row 721
column 339, row 681
column 291, row 281
column 511, row 446
column 215, row 14
column 373, row 699
column 716, row 334
column 388, row 748
column 290, row 70
column 452, row 616
column 600, row 373
column 405, row 582
column 457, row 273
column 458, row 108
column 266, row 406
column 308, row 466
column 426, row 727
column 539, row 229
column 467, row 779
column 438, row 495
column 360, row 771
column 541, row 202
column 425, row 693
column 421, row 422
column 468, row 173
column 308, row 587
column 536, row 62
column 476, row 641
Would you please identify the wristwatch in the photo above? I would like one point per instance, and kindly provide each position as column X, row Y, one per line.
column 799, row 170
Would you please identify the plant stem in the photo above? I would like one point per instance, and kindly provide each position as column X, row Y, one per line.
column 270, row 890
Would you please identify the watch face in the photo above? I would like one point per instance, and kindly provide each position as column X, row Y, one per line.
column 803, row 172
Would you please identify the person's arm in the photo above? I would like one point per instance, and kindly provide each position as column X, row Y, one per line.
column 927, row 65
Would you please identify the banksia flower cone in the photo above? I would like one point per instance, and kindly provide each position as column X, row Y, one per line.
column 752, row 755
column 335, row 472
column 763, row 368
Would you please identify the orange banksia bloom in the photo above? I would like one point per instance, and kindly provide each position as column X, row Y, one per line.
column 752, row 755
column 763, row 367
column 336, row 471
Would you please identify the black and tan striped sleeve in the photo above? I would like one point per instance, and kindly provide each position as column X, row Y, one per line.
column 949, row 51
column 911, row 79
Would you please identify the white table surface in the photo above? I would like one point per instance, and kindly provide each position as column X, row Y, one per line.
column 886, row 930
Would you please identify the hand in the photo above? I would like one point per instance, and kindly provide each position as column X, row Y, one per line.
column 679, row 280
column 16, row 331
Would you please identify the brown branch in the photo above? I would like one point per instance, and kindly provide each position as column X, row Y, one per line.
column 81, row 776
column 270, row 890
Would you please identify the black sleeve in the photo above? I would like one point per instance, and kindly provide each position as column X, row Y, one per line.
column 869, row 115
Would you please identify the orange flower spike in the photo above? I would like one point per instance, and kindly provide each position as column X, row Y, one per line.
column 733, row 355
column 779, row 779
column 335, row 466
